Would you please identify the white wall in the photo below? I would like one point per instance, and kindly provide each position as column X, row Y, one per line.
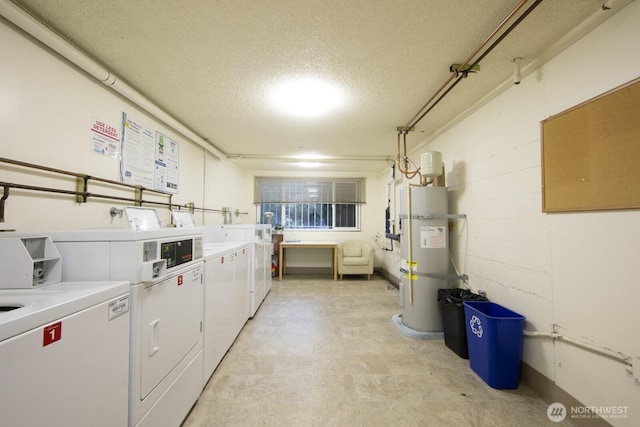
column 46, row 111
column 223, row 187
column 578, row 271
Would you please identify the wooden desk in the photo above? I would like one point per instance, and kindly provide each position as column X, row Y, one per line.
column 288, row 245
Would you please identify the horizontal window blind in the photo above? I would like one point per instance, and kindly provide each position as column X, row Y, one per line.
column 316, row 190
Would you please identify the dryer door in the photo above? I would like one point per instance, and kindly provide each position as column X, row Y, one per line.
column 171, row 319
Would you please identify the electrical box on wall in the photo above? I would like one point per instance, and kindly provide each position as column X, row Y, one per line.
column 29, row 262
column 394, row 176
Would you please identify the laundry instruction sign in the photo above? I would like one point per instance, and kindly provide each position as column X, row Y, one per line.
column 137, row 160
column 166, row 164
column 105, row 139
column 149, row 158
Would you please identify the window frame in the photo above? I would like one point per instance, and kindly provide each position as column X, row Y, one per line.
column 282, row 207
column 338, row 197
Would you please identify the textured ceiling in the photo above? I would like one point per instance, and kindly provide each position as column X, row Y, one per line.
column 211, row 64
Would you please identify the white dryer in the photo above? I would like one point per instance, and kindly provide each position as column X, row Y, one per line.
column 165, row 269
column 64, row 349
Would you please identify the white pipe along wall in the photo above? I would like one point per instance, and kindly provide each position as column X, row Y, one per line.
column 627, row 360
column 46, row 36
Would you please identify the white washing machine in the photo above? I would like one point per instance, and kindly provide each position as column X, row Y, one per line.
column 226, row 299
column 64, row 347
column 165, row 269
column 259, row 238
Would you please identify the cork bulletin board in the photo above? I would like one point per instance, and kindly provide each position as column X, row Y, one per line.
column 591, row 154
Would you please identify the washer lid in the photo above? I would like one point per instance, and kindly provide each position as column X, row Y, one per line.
column 41, row 306
column 142, row 218
column 210, row 252
column 183, row 219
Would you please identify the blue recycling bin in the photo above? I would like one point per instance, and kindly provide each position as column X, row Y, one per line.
column 494, row 339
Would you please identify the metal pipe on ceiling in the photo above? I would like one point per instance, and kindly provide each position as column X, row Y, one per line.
column 470, row 62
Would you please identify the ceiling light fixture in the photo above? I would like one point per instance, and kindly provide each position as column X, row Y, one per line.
column 309, row 164
column 310, row 156
column 306, row 97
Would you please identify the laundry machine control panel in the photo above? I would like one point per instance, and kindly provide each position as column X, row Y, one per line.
column 160, row 256
column 177, row 253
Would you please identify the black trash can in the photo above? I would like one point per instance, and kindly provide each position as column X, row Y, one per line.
column 453, row 319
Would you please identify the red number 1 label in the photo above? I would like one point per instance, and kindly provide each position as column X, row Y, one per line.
column 51, row 333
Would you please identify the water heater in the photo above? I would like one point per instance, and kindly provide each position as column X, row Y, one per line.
column 424, row 255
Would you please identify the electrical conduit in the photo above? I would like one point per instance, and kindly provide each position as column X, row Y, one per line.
column 598, row 349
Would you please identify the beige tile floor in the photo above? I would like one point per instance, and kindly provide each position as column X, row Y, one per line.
column 325, row 353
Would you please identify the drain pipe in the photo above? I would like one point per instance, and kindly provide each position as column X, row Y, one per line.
column 30, row 25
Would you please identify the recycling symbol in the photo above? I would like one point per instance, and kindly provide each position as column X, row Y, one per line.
column 476, row 326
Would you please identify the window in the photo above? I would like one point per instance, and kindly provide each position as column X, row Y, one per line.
column 319, row 204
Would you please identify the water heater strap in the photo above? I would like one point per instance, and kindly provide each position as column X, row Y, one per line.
column 434, row 216
column 436, row 275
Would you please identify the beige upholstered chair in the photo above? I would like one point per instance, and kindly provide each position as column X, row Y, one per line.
column 355, row 257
